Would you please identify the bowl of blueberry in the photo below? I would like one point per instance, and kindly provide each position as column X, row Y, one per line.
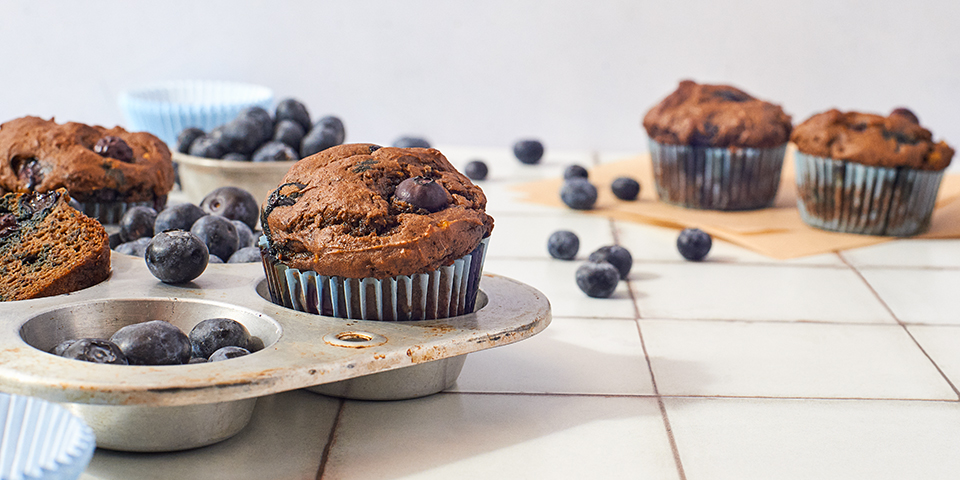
column 253, row 150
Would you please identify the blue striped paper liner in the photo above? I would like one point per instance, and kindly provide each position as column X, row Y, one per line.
column 42, row 440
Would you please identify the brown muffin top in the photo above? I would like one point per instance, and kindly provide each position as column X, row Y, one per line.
column 41, row 155
column 339, row 213
column 896, row 140
column 716, row 116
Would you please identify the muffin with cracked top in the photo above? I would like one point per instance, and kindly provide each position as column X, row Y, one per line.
column 360, row 231
column 716, row 147
column 106, row 170
column 868, row 174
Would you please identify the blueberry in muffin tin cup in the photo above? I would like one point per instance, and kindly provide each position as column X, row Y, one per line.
column 445, row 292
column 717, row 178
column 851, row 197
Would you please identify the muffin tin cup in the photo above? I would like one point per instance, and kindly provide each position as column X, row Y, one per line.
column 849, row 197
column 714, row 178
column 448, row 291
column 41, row 440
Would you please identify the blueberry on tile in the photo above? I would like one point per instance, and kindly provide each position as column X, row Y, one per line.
column 411, row 142
column 292, row 109
column 187, row 137
column 578, row 194
column 153, row 343
column 137, row 222
column 575, row 171
column 563, row 244
column 290, row 133
column 177, row 217
column 95, row 350
column 476, row 170
column 528, row 151
column 615, row 255
column 694, row 244
column 597, row 280
column 176, row 256
column 218, row 234
column 625, row 188
column 274, row 151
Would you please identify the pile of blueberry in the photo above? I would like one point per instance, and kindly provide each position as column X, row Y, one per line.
column 578, row 193
column 179, row 241
column 157, row 342
column 606, row 266
column 255, row 135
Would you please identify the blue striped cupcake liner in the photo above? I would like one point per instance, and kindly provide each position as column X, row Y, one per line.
column 448, row 291
column 110, row 213
column 717, row 178
column 849, row 197
column 42, row 440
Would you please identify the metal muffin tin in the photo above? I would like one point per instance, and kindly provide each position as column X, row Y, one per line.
column 167, row 408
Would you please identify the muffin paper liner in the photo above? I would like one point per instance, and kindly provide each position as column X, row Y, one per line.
column 717, row 178
column 445, row 292
column 850, row 197
column 42, row 440
column 110, row 213
column 165, row 109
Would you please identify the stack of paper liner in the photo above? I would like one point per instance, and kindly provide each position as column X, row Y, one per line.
column 776, row 232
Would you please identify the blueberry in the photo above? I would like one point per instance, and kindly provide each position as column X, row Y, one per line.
column 615, row 255
column 115, row 240
column 226, row 353
column 290, row 133
column 177, row 217
column 176, row 256
column 411, row 142
column 233, row 203
column 255, row 344
column 275, row 152
column 245, row 255
column 187, row 137
column 137, row 248
column 213, row 334
column 575, row 171
column 96, row 350
column 331, row 122
column 694, row 244
column 114, row 147
column 137, row 222
column 318, row 139
column 62, row 347
column 197, row 360
column 214, row 259
column 476, row 170
column 563, row 244
column 218, row 233
column 422, row 192
column 153, row 343
column 262, row 118
column 625, row 188
column 528, row 151
column 207, row 147
column 292, row 109
column 241, row 135
column 245, row 236
column 906, row 113
column 597, row 279
column 578, row 194
column 235, row 157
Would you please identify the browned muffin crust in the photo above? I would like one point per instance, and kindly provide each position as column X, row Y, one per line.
column 335, row 213
column 41, row 155
column 47, row 247
column 896, row 140
column 716, row 116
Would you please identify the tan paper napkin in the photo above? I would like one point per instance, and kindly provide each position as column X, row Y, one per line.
column 777, row 232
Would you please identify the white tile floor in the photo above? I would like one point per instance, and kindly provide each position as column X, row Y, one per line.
column 837, row 366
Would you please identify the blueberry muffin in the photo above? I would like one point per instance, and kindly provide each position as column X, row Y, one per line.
column 105, row 170
column 716, row 147
column 47, row 247
column 866, row 173
column 376, row 233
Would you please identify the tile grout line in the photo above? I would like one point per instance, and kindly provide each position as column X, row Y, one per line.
column 694, row 396
column 902, row 325
column 653, row 380
column 325, row 455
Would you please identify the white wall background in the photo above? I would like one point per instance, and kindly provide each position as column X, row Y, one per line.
column 578, row 75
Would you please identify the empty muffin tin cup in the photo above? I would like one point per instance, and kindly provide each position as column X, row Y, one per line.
column 125, row 427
